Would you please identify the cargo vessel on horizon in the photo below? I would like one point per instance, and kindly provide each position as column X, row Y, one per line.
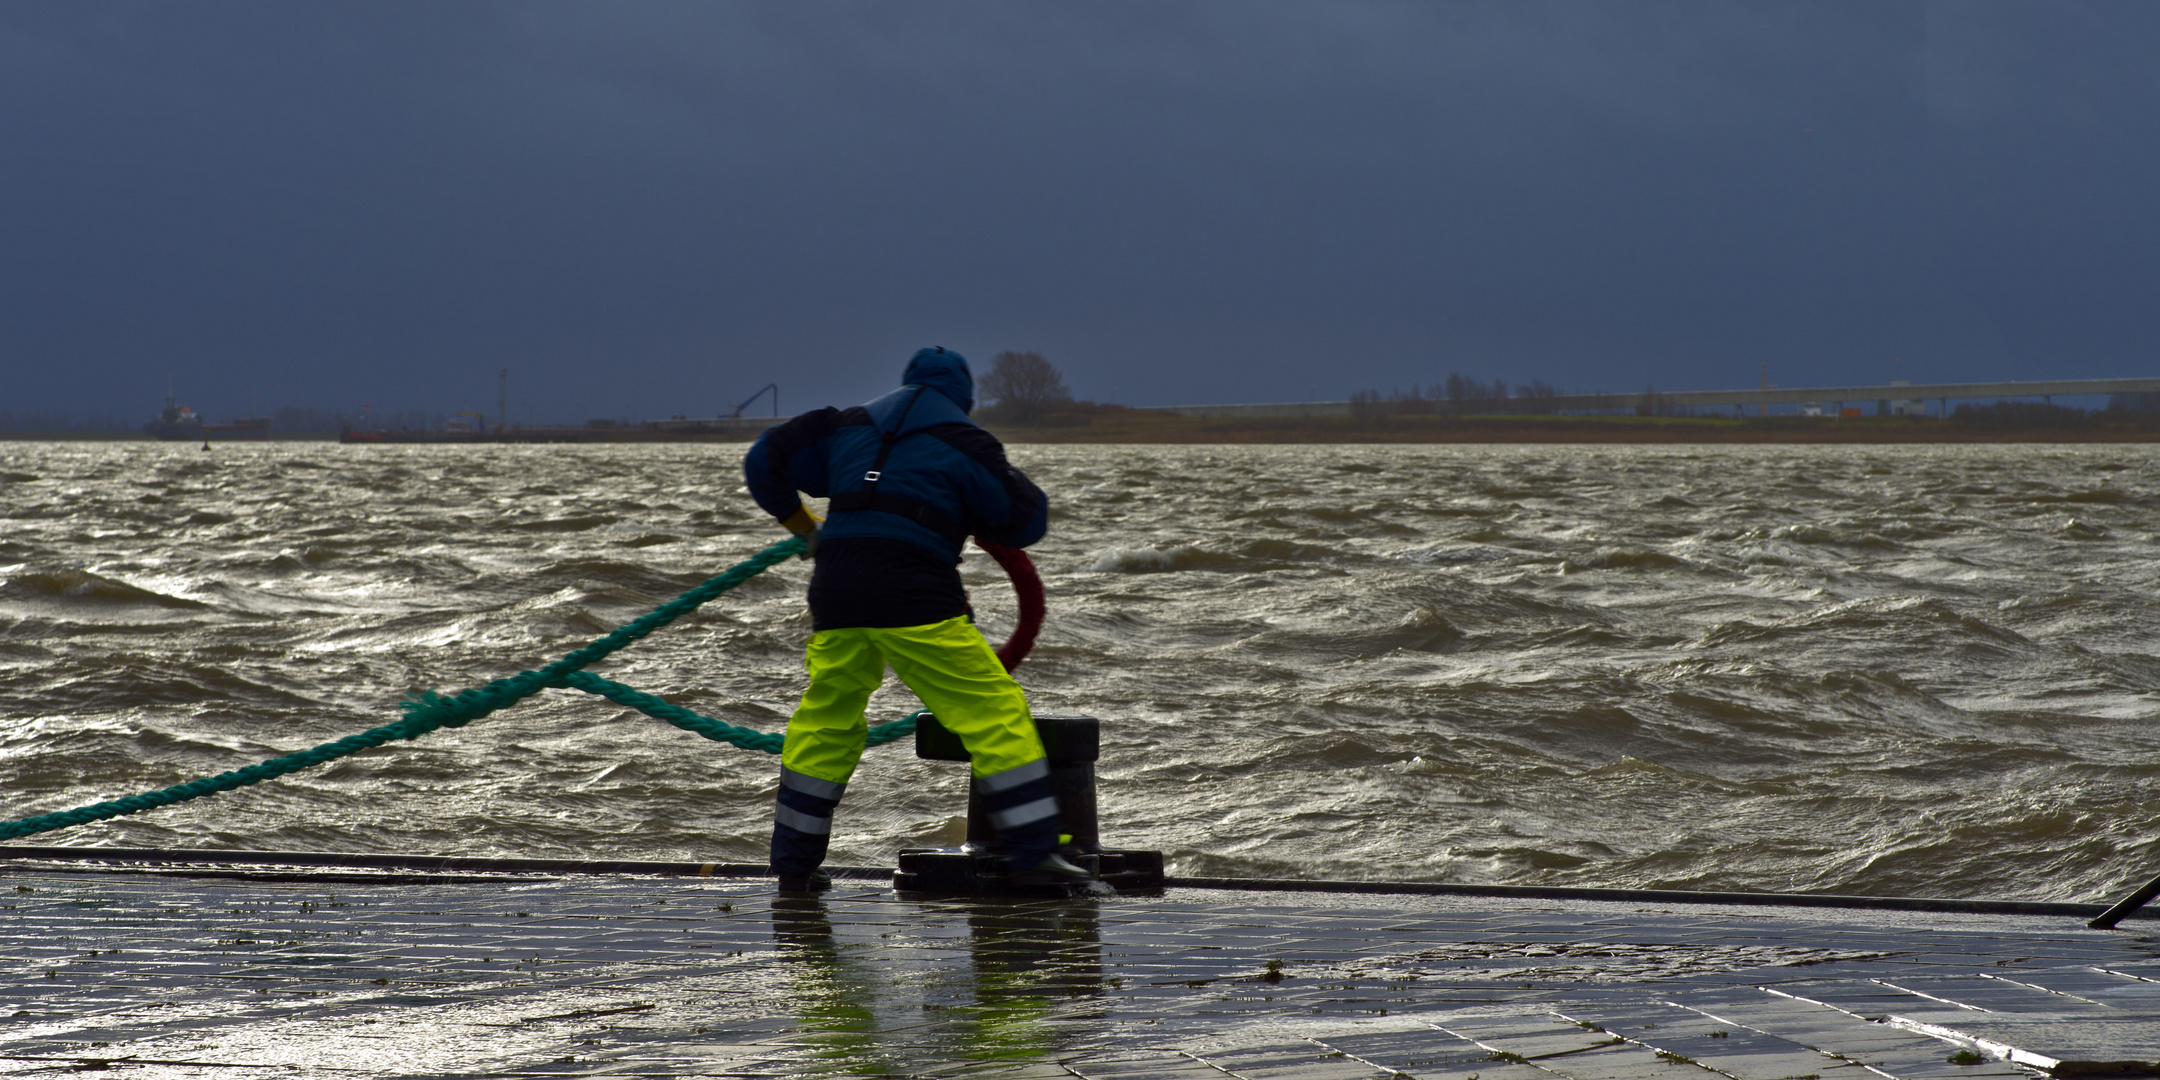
column 734, row 427
column 677, row 429
column 175, row 422
column 178, row 423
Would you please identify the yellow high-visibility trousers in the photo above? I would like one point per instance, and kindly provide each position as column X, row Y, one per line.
column 947, row 664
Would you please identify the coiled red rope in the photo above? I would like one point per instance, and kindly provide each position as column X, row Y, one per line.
column 1028, row 587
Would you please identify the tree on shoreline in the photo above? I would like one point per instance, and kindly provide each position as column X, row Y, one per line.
column 1022, row 386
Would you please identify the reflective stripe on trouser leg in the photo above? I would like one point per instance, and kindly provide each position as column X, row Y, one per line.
column 955, row 672
column 1023, row 806
column 824, row 742
column 802, row 822
column 806, row 803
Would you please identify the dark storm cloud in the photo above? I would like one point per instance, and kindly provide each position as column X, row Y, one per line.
column 644, row 208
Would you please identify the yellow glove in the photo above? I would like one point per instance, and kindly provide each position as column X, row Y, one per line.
column 803, row 523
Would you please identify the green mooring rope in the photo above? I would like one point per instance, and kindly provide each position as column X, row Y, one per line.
column 430, row 710
column 716, row 730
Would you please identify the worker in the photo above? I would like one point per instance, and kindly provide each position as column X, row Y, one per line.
column 910, row 478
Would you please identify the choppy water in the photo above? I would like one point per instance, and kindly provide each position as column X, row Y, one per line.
column 1901, row 670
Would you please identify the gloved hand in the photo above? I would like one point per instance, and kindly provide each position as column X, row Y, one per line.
column 804, row 524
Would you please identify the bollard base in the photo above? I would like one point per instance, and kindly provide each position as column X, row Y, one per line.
column 973, row 873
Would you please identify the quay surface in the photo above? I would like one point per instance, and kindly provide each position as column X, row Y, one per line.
column 314, row 973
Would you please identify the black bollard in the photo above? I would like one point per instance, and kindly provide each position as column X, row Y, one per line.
column 1071, row 743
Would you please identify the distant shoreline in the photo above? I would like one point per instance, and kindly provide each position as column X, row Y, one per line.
column 1114, row 425
column 1133, row 426
column 137, row 436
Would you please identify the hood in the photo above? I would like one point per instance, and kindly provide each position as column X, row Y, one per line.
column 944, row 371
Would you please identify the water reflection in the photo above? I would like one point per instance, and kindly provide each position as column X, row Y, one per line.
column 1032, row 981
column 836, row 989
column 1030, row 964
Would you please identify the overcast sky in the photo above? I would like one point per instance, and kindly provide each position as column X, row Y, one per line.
column 647, row 208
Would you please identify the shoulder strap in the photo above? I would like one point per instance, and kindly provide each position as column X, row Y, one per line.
column 886, row 438
column 868, row 498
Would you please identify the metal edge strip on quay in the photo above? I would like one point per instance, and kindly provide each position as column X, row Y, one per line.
column 450, row 868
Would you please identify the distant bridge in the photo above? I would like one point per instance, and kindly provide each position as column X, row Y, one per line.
column 1811, row 395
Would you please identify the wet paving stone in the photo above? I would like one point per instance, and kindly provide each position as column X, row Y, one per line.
column 167, row 975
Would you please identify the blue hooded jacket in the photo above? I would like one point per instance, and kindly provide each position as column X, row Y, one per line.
column 890, row 548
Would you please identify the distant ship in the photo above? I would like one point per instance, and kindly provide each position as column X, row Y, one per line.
column 678, row 429
column 178, row 423
column 175, row 423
